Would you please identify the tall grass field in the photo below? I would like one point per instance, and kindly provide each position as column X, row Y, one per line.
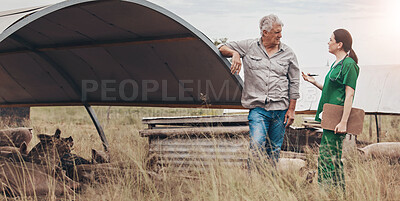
column 371, row 179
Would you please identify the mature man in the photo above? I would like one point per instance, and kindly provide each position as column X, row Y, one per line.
column 271, row 84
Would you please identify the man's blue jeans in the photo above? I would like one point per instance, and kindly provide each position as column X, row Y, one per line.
column 267, row 131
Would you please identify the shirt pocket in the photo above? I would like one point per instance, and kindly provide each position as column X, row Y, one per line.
column 255, row 62
column 282, row 68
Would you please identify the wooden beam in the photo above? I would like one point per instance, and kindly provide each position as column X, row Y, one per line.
column 196, row 120
column 234, row 130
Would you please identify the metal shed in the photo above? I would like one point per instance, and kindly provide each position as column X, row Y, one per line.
column 110, row 52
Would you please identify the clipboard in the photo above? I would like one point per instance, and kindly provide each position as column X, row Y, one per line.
column 332, row 114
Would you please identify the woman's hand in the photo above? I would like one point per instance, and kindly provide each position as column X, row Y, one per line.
column 341, row 128
column 308, row 78
column 312, row 80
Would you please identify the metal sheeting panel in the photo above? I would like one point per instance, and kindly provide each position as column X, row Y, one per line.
column 382, row 86
column 126, row 52
column 199, row 151
column 192, row 152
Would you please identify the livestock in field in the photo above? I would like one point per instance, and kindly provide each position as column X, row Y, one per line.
column 15, row 136
column 39, row 172
column 48, row 153
column 290, row 165
column 70, row 162
column 28, row 179
column 100, row 157
column 14, row 153
column 50, row 149
column 20, row 177
column 101, row 172
column 86, row 171
column 388, row 150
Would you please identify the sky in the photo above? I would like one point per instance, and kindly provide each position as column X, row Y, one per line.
column 308, row 24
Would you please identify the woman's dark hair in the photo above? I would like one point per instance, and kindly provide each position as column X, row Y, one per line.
column 342, row 35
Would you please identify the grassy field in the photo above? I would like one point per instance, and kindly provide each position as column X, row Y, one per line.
column 365, row 179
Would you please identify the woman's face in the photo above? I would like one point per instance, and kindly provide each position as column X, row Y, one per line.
column 332, row 45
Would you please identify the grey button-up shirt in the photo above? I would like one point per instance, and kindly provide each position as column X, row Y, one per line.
column 270, row 81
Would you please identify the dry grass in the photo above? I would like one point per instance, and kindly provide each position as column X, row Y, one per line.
column 365, row 180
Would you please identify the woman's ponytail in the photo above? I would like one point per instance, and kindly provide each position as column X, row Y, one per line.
column 353, row 55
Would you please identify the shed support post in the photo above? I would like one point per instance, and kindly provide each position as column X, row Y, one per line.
column 99, row 129
column 377, row 127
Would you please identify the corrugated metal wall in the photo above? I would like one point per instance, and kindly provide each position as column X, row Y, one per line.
column 186, row 152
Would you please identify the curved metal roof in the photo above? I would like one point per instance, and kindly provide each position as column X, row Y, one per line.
column 110, row 52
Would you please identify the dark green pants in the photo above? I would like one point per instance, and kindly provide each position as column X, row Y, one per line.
column 330, row 166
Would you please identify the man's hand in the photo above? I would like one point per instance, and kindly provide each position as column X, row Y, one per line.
column 236, row 63
column 289, row 118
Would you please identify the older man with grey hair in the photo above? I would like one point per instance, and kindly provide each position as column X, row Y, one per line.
column 271, row 85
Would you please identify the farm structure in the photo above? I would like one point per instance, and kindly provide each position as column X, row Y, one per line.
column 200, row 140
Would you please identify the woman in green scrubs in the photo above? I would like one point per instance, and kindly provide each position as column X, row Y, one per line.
column 338, row 89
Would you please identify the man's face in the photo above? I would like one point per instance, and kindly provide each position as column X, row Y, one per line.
column 274, row 36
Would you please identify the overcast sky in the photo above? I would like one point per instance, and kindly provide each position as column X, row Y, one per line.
column 308, row 24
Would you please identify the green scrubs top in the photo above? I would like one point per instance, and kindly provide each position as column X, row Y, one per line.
column 335, row 83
